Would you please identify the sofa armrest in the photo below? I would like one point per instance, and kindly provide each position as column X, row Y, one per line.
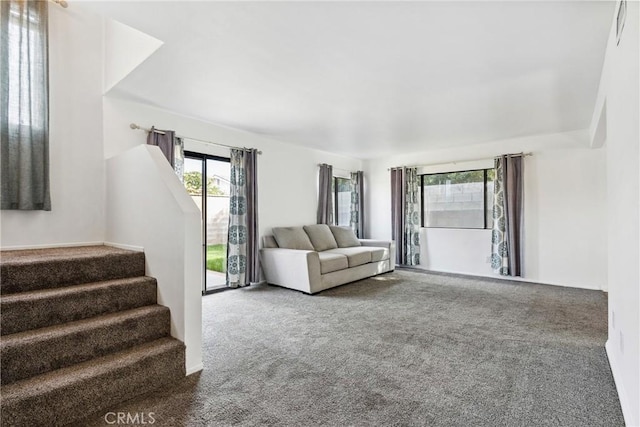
column 381, row 243
column 389, row 244
column 292, row 268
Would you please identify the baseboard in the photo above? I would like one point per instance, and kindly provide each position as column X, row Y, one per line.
column 495, row 277
column 49, row 246
column 126, row 247
column 627, row 409
column 72, row 245
column 193, row 369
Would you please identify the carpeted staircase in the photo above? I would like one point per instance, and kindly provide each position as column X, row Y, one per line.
column 81, row 331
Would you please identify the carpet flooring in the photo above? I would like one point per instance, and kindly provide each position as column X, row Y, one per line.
column 403, row 348
column 81, row 332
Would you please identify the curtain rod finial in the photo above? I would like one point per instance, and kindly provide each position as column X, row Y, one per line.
column 134, row 126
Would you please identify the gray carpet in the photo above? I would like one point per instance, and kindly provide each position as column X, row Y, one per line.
column 404, row 348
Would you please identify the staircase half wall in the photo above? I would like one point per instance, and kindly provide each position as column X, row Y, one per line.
column 148, row 207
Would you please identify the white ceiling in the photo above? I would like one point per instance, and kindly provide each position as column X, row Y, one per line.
column 366, row 79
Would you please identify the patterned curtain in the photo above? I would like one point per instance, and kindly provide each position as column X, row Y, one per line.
column 325, row 194
column 499, row 245
column 357, row 203
column 178, row 158
column 411, row 217
column 24, row 106
column 506, row 237
column 242, row 248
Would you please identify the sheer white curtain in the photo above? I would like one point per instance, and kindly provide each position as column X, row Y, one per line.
column 24, row 105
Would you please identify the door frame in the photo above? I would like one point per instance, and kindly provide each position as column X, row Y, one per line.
column 204, row 157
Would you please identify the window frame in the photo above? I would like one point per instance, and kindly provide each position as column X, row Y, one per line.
column 484, row 199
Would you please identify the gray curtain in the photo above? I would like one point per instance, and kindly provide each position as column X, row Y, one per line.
column 24, row 106
column 253, row 260
column 506, row 237
column 165, row 140
column 397, row 208
column 325, row 194
column 242, row 248
column 357, row 203
column 171, row 146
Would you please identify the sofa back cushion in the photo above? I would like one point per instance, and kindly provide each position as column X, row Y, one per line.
column 345, row 237
column 269, row 242
column 321, row 237
column 292, row 238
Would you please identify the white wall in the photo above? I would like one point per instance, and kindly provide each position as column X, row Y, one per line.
column 619, row 91
column 125, row 48
column 564, row 211
column 287, row 195
column 148, row 207
column 76, row 159
column 287, row 174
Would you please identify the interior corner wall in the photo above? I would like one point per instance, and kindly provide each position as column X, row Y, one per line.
column 75, row 139
column 565, row 238
column 620, row 90
column 159, row 216
column 287, row 174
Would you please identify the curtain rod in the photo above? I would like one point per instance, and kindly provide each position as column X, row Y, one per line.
column 135, row 126
column 454, row 162
column 339, row 169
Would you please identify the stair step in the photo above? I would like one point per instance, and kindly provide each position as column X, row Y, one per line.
column 38, row 309
column 70, row 394
column 35, row 352
column 29, row 270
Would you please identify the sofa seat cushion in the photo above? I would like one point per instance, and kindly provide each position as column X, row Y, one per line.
column 355, row 256
column 378, row 254
column 321, row 237
column 332, row 262
column 292, row 238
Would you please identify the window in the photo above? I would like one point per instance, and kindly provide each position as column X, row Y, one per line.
column 26, row 47
column 342, row 201
column 458, row 199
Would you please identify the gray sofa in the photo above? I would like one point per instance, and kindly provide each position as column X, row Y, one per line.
column 318, row 257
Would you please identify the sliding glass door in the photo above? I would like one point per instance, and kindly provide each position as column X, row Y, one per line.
column 206, row 178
